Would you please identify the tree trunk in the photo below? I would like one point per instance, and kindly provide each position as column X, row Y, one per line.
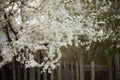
column 117, row 66
column 110, row 70
column 81, row 67
column 92, row 70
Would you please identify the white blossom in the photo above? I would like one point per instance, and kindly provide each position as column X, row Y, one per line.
column 49, row 25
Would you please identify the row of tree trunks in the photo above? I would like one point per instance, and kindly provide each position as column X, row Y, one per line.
column 67, row 71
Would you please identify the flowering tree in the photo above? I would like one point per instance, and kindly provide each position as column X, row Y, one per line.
column 29, row 26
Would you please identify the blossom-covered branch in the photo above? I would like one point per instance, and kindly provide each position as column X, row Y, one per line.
column 48, row 25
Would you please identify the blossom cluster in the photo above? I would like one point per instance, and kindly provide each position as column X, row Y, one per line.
column 48, row 25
